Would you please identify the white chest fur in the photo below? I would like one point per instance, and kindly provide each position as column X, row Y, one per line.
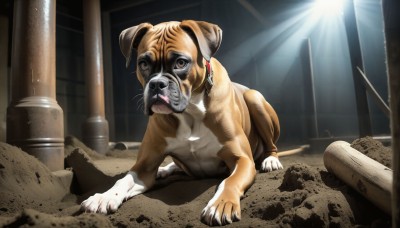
column 195, row 145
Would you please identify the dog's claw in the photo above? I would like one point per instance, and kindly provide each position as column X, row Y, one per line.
column 222, row 209
column 223, row 215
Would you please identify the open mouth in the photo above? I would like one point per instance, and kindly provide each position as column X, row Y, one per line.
column 164, row 99
column 161, row 105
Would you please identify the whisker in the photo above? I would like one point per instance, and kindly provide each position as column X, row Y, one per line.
column 140, row 104
column 140, row 95
column 140, row 100
column 140, row 108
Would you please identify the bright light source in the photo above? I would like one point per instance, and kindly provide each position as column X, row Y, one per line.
column 328, row 7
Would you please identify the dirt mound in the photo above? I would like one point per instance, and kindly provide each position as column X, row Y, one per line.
column 374, row 149
column 26, row 182
column 304, row 194
column 304, row 200
column 72, row 143
column 33, row 218
column 297, row 176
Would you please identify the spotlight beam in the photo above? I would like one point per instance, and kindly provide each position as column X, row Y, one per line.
column 328, row 7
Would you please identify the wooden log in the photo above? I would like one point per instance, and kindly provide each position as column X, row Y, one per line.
column 367, row 176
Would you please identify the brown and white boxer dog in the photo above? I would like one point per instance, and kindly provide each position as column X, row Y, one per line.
column 209, row 125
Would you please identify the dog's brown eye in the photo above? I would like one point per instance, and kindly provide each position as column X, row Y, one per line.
column 143, row 65
column 180, row 63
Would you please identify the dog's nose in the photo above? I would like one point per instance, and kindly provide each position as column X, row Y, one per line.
column 158, row 84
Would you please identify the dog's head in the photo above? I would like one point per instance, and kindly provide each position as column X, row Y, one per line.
column 170, row 61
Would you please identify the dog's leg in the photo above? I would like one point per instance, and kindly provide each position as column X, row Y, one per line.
column 109, row 201
column 167, row 170
column 267, row 124
column 140, row 178
column 224, row 207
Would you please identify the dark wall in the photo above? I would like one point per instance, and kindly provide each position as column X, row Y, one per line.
column 266, row 51
column 71, row 94
column 268, row 55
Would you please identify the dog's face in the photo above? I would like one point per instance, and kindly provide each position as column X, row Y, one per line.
column 167, row 67
column 170, row 61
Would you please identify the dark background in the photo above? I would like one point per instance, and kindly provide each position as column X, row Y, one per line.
column 263, row 47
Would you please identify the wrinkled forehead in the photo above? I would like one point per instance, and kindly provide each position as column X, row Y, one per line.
column 167, row 38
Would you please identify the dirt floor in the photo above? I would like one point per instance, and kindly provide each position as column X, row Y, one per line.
column 304, row 194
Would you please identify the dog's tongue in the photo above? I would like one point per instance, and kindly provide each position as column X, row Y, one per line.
column 164, row 98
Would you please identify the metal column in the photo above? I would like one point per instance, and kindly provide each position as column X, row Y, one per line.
column 95, row 129
column 34, row 119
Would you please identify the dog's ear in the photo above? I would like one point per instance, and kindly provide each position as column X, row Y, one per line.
column 130, row 38
column 209, row 36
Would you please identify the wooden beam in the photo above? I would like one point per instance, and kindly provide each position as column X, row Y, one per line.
column 370, row 88
column 392, row 33
column 369, row 177
column 364, row 119
column 3, row 75
column 309, row 90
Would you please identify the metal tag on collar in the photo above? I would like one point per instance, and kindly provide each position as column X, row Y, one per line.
column 209, row 81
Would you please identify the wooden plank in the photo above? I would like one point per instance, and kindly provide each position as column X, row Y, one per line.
column 392, row 33
column 364, row 119
column 370, row 88
column 369, row 177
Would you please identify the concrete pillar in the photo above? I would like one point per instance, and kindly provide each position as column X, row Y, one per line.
column 34, row 119
column 95, row 133
column 3, row 75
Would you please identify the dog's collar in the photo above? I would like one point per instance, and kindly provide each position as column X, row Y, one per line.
column 209, row 77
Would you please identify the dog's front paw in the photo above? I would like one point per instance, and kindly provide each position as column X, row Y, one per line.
column 223, row 208
column 271, row 163
column 101, row 203
column 110, row 200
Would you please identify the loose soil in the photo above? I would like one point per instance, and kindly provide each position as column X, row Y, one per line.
column 303, row 194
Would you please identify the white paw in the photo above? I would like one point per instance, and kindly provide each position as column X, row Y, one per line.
column 271, row 163
column 167, row 170
column 110, row 200
column 102, row 203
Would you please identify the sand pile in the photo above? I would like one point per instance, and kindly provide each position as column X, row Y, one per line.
column 374, row 149
column 304, row 194
column 26, row 182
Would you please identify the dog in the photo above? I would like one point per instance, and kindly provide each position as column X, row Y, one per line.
column 209, row 125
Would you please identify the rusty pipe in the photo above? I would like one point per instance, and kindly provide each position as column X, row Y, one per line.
column 95, row 128
column 34, row 118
